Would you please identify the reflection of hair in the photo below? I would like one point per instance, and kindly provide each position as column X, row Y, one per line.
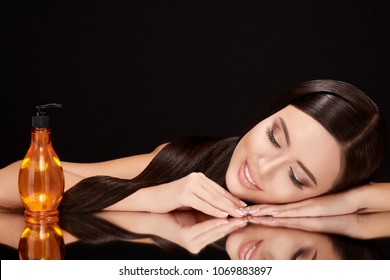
column 17, row 210
column 95, row 230
column 355, row 249
column 346, row 112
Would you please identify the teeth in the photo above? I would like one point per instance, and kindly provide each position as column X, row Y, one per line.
column 248, row 176
column 249, row 253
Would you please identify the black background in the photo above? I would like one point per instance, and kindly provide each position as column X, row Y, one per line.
column 134, row 74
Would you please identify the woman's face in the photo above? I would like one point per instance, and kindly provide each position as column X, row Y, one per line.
column 287, row 157
column 256, row 242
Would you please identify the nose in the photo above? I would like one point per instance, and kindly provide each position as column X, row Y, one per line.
column 270, row 165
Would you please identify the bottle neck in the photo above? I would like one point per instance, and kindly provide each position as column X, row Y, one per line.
column 41, row 136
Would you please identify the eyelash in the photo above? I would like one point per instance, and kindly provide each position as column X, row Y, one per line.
column 297, row 254
column 296, row 183
column 271, row 137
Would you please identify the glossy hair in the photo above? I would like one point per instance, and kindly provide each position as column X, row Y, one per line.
column 355, row 249
column 89, row 228
column 344, row 110
column 176, row 160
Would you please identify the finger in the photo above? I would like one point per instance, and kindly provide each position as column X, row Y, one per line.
column 205, row 207
column 309, row 224
column 262, row 220
column 223, row 192
column 256, row 210
column 296, row 223
column 262, row 210
column 216, row 229
column 215, row 199
column 219, row 231
column 302, row 211
column 284, row 210
column 207, row 226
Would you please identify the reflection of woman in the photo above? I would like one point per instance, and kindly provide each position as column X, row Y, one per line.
column 262, row 242
column 321, row 137
column 228, row 238
column 194, row 232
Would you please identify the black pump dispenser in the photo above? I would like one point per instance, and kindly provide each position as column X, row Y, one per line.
column 41, row 119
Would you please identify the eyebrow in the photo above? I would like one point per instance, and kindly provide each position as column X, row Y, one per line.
column 286, row 135
column 285, row 131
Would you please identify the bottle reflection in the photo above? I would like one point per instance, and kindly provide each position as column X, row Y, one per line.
column 41, row 239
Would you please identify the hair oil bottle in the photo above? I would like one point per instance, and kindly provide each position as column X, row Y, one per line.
column 41, row 178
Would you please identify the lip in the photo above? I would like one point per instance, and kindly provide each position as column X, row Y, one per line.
column 243, row 179
column 249, row 250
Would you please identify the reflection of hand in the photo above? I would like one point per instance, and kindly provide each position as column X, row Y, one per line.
column 362, row 226
column 192, row 230
column 198, row 192
column 327, row 205
column 194, row 235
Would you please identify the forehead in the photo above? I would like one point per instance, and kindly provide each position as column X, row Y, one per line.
column 312, row 144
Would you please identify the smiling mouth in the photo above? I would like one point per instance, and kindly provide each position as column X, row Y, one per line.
column 248, row 175
column 246, row 178
column 247, row 251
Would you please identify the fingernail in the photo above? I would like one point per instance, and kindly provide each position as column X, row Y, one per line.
column 254, row 221
column 273, row 213
column 243, row 203
column 251, row 211
column 242, row 224
column 223, row 222
column 225, row 214
column 241, row 211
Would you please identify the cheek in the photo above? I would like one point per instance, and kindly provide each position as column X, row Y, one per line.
column 257, row 143
column 280, row 190
column 281, row 194
column 286, row 193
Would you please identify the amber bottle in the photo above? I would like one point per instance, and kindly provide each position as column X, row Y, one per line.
column 41, row 239
column 41, row 178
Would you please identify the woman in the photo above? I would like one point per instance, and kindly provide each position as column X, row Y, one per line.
column 321, row 137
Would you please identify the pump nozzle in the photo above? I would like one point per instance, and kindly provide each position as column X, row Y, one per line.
column 41, row 118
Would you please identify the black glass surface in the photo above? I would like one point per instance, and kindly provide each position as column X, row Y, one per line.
column 192, row 235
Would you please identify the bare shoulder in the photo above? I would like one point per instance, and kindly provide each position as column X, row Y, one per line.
column 158, row 149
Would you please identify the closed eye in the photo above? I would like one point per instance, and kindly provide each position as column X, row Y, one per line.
column 305, row 254
column 271, row 138
column 297, row 254
column 294, row 180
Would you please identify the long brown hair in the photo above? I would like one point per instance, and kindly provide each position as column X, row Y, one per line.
column 344, row 110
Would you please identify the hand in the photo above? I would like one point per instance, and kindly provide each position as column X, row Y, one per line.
column 341, row 224
column 195, row 191
column 192, row 230
column 362, row 226
column 326, row 205
column 194, row 235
